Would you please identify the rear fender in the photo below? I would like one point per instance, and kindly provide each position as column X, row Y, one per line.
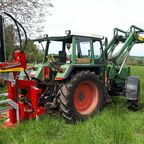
column 66, row 71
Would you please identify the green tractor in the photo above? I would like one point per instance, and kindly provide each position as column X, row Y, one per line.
column 79, row 72
column 73, row 70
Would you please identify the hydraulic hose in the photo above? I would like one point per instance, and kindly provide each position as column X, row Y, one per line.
column 19, row 34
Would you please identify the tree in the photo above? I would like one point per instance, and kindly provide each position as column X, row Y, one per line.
column 33, row 54
column 31, row 51
column 140, row 61
column 131, row 61
column 9, row 41
column 29, row 12
column 135, row 60
column 40, row 56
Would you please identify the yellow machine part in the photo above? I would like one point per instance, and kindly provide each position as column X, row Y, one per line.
column 140, row 38
column 12, row 70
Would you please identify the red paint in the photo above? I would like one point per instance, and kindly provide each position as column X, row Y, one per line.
column 8, row 124
column 26, row 110
column 86, row 97
column 59, row 78
column 21, row 110
column 46, row 73
column 35, row 93
column 12, row 96
column 21, row 58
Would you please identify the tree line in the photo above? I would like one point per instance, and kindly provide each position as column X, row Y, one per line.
column 135, row 60
column 31, row 14
column 32, row 51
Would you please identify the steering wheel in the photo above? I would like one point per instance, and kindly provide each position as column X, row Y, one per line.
column 53, row 62
column 51, row 58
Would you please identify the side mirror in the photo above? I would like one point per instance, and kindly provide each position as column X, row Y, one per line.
column 68, row 45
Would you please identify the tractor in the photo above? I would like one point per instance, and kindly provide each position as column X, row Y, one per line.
column 78, row 74
column 74, row 67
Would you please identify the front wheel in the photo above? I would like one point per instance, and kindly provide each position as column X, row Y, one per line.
column 81, row 96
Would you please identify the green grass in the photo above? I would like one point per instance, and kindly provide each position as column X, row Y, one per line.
column 114, row 125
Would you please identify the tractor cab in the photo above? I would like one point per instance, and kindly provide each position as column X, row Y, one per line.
column 87, row 49
column 76, row 48
column 63, row 54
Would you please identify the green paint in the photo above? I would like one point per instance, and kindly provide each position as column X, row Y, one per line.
column 74, row 42
column 66, row 69
column 116, row 71
column 114, row 68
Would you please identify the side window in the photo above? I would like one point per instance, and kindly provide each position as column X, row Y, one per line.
column 97, row 49
column 83, row 47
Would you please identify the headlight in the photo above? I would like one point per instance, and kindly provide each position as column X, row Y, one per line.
column 67, row 32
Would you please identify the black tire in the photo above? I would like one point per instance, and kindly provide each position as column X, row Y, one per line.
column 133, row 93
column 133, row 105
column 67, row 98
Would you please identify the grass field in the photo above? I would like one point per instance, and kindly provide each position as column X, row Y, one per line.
column 114, row 125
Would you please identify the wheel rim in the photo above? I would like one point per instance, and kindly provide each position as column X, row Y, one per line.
column 86, row 96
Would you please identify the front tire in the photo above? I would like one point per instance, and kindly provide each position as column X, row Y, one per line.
column 81, row 96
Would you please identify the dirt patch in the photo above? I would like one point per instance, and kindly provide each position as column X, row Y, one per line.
column 4, row 115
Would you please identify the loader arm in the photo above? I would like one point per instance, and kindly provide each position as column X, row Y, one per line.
column 129, row 39
column 116, row 72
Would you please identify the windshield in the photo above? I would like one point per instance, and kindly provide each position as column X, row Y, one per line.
column 55, row 47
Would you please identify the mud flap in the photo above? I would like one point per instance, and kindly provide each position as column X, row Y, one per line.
column 133, row 92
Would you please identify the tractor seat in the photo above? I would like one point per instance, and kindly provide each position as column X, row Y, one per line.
column 83, row 60
column 62, row 57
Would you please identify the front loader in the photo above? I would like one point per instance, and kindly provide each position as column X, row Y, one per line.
column 119, row 81
column 77, row 75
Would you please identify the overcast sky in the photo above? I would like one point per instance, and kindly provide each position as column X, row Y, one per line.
column 96, row 16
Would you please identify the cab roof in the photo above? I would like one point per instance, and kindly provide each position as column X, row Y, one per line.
column 69, row 37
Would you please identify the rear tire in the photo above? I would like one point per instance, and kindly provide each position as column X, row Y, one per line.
column 81, row 96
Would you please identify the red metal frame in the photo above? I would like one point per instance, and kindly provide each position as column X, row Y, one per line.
column 26, row 111
column 46, row 73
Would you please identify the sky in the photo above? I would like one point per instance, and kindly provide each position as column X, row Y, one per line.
column 95, row 16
